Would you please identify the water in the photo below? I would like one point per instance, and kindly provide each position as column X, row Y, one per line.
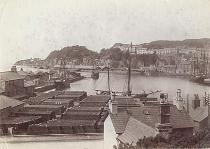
column 118, row 83
column 140, row 83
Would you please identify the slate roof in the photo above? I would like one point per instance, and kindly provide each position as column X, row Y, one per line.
column 180, row 119
column 64, row 122
column 6, row 102
column 82, row 108
column 24, row 73
column 199, row 113
column 98, row 98
column 69, row 112
column 149, row 115
column 34, row 112
column 9, row 75
column 134, row 131
column 125, row 101
column 119, row 121
column 35, row 100
column 43, row 106
column 18, row 120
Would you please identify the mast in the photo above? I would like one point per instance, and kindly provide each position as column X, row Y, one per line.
column 109, row 82
column 129, row 72
column 63, row 69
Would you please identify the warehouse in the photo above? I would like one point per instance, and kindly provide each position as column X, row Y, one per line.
column 76, row 95
column 45, row 115
column 57, row 109
column 64, row 102
column 16, row 125
column 62, row 126
column 81, row 115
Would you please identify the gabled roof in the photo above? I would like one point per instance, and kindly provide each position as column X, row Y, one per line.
column 199, row 113
column 134, row 131
column 6, row 102
column 180, row 119
column 149, row 115
column 119, row 121
column 24, row 73
column 9, row 75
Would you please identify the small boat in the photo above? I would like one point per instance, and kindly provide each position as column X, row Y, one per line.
column 61, row 84
column 206, row 81
column 198, row 78
column 95, row 75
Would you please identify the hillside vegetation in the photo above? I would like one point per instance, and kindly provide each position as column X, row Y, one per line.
column 187, row 43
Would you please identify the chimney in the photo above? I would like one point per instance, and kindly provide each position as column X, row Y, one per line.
column 14, row 69
column 178, row 101
column 196, row 102
column 208, row 103
column 163, row 127
column 113, row 106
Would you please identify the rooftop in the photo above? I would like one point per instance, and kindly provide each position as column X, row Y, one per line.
column 149, row 115
column 132, row 135
column 43, row 106
column 81, row 108
column 98, row 98
column 199, row 114
column 64, row 122
column 18, row 120
column 6, row 102
column 69, row 112
column 9, row 75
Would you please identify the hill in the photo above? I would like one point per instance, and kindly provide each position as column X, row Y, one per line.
column 187, row 43
column 74, row 52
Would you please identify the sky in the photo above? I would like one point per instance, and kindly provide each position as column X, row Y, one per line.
column 34, row 28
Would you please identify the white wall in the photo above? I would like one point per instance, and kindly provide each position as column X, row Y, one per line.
column 109, row 134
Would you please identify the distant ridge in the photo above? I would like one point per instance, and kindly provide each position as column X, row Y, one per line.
column 187, row 43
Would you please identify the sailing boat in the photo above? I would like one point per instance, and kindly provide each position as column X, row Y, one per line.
column 200, row 76
column 63, row 82
column 95, row 74
column 128, row 92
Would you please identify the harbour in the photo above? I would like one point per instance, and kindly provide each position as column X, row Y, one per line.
column 104, row 74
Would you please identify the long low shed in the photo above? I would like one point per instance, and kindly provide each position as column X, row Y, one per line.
column 45, row 115
column 87, row 109
column 62, row 126
column 64, row 102
column 58, row 109
column 76, row 95
column 82, row 115
column 98, row 98
column 92, row 104
column 18, row 124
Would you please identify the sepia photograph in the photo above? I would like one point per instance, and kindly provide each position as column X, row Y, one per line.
column 104, row 74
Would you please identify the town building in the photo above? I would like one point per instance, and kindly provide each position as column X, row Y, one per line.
column 13, row 84
column 9, row 105
column 200, row 111
column 163, row 119
column 9, row 123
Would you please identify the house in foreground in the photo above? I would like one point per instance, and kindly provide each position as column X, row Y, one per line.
column 14, row 85
column 129, row 124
